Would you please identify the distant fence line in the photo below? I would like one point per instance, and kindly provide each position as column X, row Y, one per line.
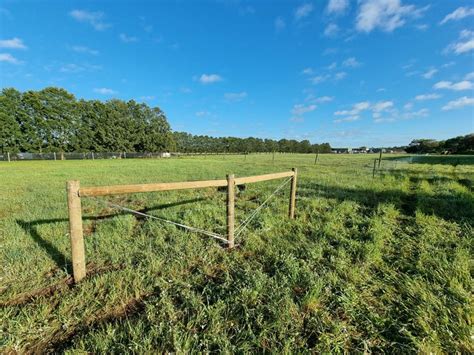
column 97, row 155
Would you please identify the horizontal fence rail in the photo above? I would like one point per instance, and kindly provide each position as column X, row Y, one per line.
column 75, row 193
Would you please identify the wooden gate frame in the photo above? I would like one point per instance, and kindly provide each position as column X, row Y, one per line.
column 75, row 193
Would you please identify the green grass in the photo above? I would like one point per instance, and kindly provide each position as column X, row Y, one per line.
column 378, row 264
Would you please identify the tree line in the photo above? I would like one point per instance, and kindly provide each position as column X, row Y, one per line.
column 53, row 120
column 456, row 145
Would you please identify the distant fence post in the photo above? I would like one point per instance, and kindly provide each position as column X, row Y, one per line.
column 291, row 212
column 373, row 171
column 75, row 230
column 380, row 157
column 230, row 210
column 316, row 158
column 8, row 156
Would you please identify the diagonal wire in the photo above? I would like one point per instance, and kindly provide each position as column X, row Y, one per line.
column 192, row 229
column 241, row 227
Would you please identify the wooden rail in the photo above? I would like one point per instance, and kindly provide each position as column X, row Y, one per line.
column 75, row 192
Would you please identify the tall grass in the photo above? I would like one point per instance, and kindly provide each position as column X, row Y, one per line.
column 369, row 265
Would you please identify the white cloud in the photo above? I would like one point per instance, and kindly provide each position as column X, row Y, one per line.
column 337, row 6
column 147, row 97
column 408, row 106
column 105, row 91
column 84, row 49
column 458, row 14
column 459, row 103
column 324, row 99
column 347, row 119
column 209, row 78
column 331, row 30
column 469, row 76
column 8, row 58
column 127, row 39
column 464, row 44
column 307, row 71
column 459, row 86
column 425, row 97
column 280, row 24
column 351, row 62
column 14, row 43
column 430, row 73
column 301, row 109
column 356, row 109
column 319, row 79
column 202, row 113
column 75, row 68
column 385, row 14
column 382, row 106
column 332, row 66
column 420, row 113
column 95, row 19
column 341, row 75
column 235, row 96
column 303, row 11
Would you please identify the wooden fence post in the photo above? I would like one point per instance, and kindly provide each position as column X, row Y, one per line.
column 291, row 212
column 373, row 171
column 380, row 157
column 75, row 230
column 230, row 210
column 316, row 158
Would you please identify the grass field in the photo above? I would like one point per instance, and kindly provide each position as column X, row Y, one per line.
column 378, row 264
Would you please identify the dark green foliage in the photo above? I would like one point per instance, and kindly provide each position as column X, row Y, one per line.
column 457, row 145
column 52, row 120
column 189, row 143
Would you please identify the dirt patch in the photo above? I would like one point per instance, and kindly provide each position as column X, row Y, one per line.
column 61, row 338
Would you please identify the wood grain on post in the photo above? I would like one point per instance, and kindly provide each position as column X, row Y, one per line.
column 291, row 212
column 230, row 210
column 75, row 230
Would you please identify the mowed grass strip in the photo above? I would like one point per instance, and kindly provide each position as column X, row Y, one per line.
column 369, row 264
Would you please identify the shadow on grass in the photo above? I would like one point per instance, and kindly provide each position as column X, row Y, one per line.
column 63, row 262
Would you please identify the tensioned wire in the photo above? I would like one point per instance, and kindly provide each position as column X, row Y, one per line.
column 238, row 230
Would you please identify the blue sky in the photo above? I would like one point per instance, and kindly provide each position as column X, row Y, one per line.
column 368, row 72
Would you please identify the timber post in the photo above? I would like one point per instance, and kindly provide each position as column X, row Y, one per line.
column 75, row 230
column 230, row 210
column 373, row 171
column 291, row 212
column 380, row 157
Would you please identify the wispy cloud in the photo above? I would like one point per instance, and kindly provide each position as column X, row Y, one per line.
column 469, row 76
column 279, row 24
column 147, row 97
column 235, row 96
column 459, row 86
column 14, row 43
column 8, row 58
column 105, row 91
column 337, row 6
column 458, row 14
column 387, row 15
column 95, row 19
column 307, row 71
column 430, row 73
column 299, row 110
column 331, row 30
column 202, row 113
column 303, row 11
column 84, row 49
column 464, row 44
column 127, row 39
column 424, row 97
column 209, row 78
column 340, row 75
column 351, row 62
column 459, row 103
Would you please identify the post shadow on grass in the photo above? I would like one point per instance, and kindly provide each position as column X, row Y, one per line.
column 456, row 207
column 61, row 260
